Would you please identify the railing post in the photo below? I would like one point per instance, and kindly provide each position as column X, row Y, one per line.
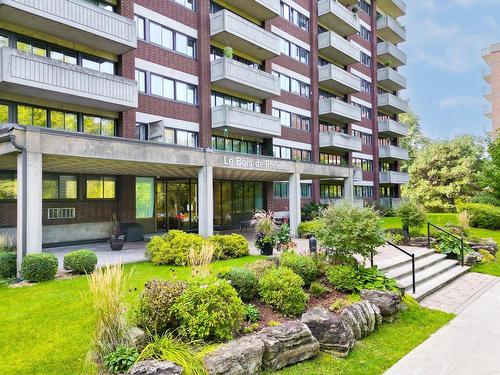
column 462, row 251
column 428, row 235
column 413, row 271
column 371, row 258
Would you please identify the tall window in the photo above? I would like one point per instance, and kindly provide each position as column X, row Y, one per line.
column 294, row 16
column 8, row 186
column 140, row 26
column 4, row 113
column 331, row 191
column 306, row 190
column 60, row 187
column 280, row 190
column 366, row 60
column 101, row 187
column 365, row 165
column 361, row 192
column 144, row 197
column 365, row 33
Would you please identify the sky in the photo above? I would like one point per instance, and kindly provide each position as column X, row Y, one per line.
column 444, row 43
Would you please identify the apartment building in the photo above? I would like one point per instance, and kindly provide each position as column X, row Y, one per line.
column 192, row 114
column 491, row 74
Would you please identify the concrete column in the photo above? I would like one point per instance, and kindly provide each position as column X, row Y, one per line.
column 29, row 204
column 205, row 202
column 349, row 187
column 294, row 196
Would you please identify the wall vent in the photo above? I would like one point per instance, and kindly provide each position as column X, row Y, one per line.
column 61, row 213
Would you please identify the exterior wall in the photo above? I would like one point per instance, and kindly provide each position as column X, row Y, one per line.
column 492, row 57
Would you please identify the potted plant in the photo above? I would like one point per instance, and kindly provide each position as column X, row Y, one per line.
column 283, row 238
column 265, row 228
column 228, row 52
column 117, row 241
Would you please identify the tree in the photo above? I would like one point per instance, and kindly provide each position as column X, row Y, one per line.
column 490, row 174
column 416, row 140
column 412, row 216
column 445, row 172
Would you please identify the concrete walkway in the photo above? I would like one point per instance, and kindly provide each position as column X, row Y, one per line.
column 468, row 345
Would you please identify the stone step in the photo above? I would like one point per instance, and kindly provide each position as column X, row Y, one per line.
column 420, row 264
column 426, row 274
column 435, row 283
column 400, row 260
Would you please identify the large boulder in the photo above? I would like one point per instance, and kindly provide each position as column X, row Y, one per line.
column 153, row 367
column 333, row 334
column 137, row 337
column 362, row 317
column 287, row 344
column 487, row 244
column 389, row 303
column 237, row 357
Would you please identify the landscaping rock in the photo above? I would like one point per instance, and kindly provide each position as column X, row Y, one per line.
column 137, row 337
column 472, row 259
column 487, row 244
column 153, row 367
column 421, row 242
column 334, row 335
column 237, row 357
column 287, row 344
column 389, row 303
column 363, row 318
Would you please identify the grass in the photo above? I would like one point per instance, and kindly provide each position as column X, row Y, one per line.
column 47, row 328
column 377, row 353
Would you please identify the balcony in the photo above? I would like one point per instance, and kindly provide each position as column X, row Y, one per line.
column 335, row 79
column 391, row 128
column 390, row 30
column 488, row 111
column 338, row 18
column 336, row 110
column 389, row 54
column 338, row 49
column 235, row 76
column 241, row 121
column 394, row 178
column 44, row 78
column 396, row 8
column 392, row 153
column 486, row 72
column 261, row 10
column 392, row 104
column 391, row 79
column 392, row 203
column 234, row 31
column 74, row 20
column 487, row 93
column 335, row 141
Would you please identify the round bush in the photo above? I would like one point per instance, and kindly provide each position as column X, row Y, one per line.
column 482, row 215
column 342, row 278
column 8, row 264
column 244, row 281
column 231, row 245
column 281, row 288
column 173, row 247
column 209, row 310
column 39, row 267
column 303, row 266
column 80, row 261
column 261, row 267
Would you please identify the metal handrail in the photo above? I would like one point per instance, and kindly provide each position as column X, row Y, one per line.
column 429, row 225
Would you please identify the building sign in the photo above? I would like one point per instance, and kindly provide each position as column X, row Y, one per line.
column 254, row 163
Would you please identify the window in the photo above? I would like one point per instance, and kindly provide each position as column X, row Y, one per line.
column 236, row 145
column 366, row 60
column 101, row 188
column 144, row 197
column 365, row 6
column 4, row 113
column 365, row 165
column 326, row 127
column 365, row 33
column 333, row 159
column 306, row 190
column 219, row 99
column 140, row 77
column 361, row 192
column 217, row 53
column 294, row 51
column 60, row 54
column 291, row 153
column 60, row 187
column 280, row 190
column 171, row 89
column 366, row 86
column 366, row 139
column 365, row 111
column 187, row 3
column 140, row 25
column 330, row 191
column 171, row 39
column 292, row 120
column 64, row 121
column 294, row 16
column 4, row 41
column 31, row 116
column 108, row 5
column 98, row 126
column 96, row 63
column 293, row 85
column 8, row 186
column 181, row 137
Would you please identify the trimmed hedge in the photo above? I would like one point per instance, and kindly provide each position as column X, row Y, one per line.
column 80, row 261
column 302, row 265
column 39, row 267
column 231, row 245
column 482, row 215
column 172, row 248
column 8, row 264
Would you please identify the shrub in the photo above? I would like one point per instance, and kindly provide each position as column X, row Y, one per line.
column 39, row 267
column 261, row 267
column 412, row 214
column 231, row 246
column 155, row 302
column 244, row 281
column 487, row 257
column 311, row 211
column 308, row 228
column 317, row 289
column 209, row 310
column 281, row 288
column 121, row 359
column 347, row 230
column 252, row 313
column 7, row 243
column 486, row 198
column 8, row 265
column 450, row 246
column 173, row 247
column 342, row 278
column 282, row 235
column 80, row 261
column 482, row 215
column 303, row 266
column 395, row 238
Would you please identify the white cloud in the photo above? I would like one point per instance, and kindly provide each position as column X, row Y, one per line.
column 461, row 102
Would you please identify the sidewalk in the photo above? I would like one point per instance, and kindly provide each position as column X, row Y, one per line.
column 469, row 344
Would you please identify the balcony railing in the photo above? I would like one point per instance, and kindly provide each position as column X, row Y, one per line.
column 234, row 31
column 391, row 203
column 261, row 10
column 487, row 92
column 233, row 75
column 337, row 110
column 392, row 153
column 390, row 30
column 241, row 121
column 74, row 20
column 392, row 104
column 486, row 72
column 396, row 8
column 395, row 178
column 488, row 111
column 392, row 128
column 41, row 77
column 333, row 78
column 336, row 141
column 338, row 49
column 390, row 54
column 391, row 79
column 335, row 16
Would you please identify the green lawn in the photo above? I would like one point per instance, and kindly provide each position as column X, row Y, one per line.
column 377, row 353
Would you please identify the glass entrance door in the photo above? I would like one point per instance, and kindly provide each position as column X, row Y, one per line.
column 177, row 205
column 161, row 205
